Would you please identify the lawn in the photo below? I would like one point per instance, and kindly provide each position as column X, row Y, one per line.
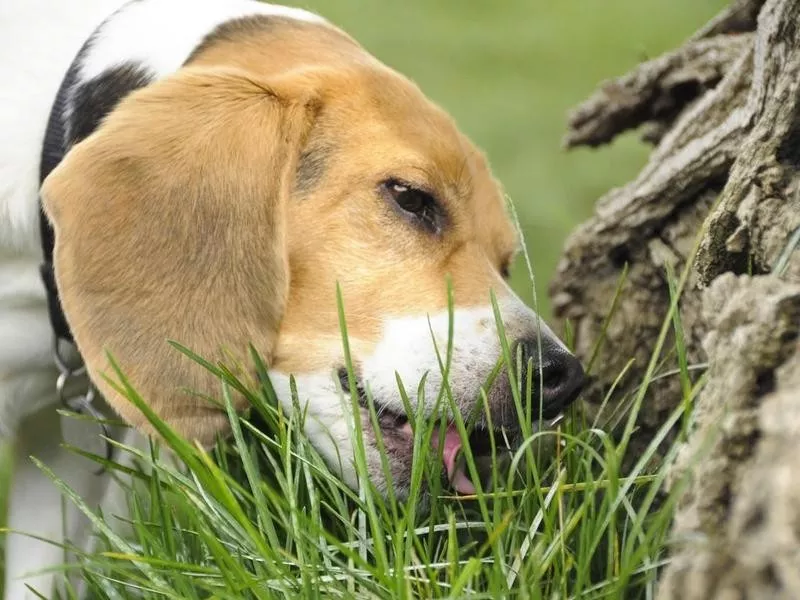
column 508, row 71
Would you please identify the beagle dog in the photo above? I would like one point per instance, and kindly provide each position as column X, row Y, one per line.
column 222, row 167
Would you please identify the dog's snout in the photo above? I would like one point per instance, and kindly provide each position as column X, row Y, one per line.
column 556, row 376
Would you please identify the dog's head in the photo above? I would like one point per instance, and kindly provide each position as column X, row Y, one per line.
column 221, row 207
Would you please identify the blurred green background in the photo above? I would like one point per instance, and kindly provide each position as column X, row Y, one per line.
column 508, row 70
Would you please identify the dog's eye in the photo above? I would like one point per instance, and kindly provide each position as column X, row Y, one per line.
column 417, row 204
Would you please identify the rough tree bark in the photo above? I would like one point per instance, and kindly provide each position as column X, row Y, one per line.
column 722, row 191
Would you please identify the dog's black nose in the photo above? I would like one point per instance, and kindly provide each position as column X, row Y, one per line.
column 558, row 375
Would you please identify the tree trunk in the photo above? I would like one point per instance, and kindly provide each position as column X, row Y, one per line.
column 721, row 192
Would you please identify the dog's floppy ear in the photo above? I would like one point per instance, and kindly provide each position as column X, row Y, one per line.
column 170, row 225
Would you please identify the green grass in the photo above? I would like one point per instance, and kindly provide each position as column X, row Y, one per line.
column 262, row 516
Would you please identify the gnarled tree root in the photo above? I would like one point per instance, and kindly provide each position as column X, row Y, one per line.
column 720, row 192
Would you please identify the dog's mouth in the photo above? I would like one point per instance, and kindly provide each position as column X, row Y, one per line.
column 396, row 431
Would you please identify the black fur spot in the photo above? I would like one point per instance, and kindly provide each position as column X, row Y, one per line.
column 93, row 100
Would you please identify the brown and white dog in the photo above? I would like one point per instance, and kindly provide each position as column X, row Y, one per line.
column 228, row 163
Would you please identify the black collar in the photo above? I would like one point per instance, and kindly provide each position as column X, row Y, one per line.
column 53, row 151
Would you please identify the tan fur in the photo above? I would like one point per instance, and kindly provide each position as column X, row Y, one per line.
column 185, row 217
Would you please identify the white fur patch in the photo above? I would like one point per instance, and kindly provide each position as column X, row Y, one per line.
column 328, row 417
column 412, row 348
column 38, row 41
column 161, row 34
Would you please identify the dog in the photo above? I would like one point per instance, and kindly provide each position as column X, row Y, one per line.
column 221, row 168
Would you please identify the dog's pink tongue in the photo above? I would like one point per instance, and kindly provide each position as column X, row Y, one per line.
column 455, row 471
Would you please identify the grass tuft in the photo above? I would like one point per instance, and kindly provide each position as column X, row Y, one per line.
column 262, row 515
